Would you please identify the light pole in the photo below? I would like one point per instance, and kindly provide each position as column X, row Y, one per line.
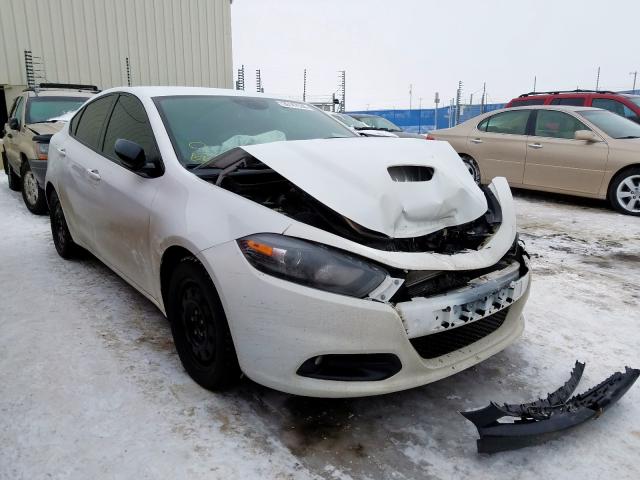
column 635, row 76
column 436, row 101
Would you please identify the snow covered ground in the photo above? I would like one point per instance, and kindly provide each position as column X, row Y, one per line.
column 91, row 386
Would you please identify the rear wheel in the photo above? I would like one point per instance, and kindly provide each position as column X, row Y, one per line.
column 32, row 194
column 14, row 179
column 624, row 192
column 5, row 162
column 472, row 167
column 62, row 240
column 199, row 326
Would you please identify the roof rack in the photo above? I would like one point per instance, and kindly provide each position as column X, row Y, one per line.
column 70, row 86
column 555, row 92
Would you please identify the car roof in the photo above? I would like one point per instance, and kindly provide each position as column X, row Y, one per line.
column 60, row 92
column 570, row 108
column 168, row 91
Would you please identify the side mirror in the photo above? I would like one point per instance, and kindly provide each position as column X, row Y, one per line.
column 131, row 154
column 14, row 124
column 586, row 135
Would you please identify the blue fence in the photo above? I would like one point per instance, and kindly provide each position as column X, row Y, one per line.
column 424, row 120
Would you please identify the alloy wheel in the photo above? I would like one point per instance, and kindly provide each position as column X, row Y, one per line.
column 628, row 193
column 30, row 187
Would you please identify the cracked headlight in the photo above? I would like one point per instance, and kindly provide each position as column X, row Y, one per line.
column 311, row 264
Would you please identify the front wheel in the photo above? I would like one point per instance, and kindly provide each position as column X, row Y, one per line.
column 624, row 192
column 472, row 167
column 32, row 194
column 199, row 327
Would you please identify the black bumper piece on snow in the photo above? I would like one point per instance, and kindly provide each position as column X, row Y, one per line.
column 547, row 418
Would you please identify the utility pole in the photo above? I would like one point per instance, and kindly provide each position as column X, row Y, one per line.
column 410, row 95
column 458, row 100
column 635, row 76
column 484, row 97
column 436, row 101
column 304, row 86
column 535, row 81
column 598, row 80
column 419, row 114
column 471, row 99
column 259, row 87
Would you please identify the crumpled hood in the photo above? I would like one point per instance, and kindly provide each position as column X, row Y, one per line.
column 350, row 176
column 46, row 128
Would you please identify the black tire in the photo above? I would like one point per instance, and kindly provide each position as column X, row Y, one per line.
column 5, row 162
column 65, row 246
column 626, row 185
column 14, row 179
column 199, row 327
column 472, row 167
column 32, row 194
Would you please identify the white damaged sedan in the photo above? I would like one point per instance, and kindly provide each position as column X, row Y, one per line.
column 281, row 245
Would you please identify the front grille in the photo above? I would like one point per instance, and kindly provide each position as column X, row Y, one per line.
column 437, row 344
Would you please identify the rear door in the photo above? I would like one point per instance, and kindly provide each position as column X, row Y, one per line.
column 556, row 160
column 82, row 158
column 498, row 144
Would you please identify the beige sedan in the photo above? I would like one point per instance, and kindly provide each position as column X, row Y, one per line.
column 574, row 150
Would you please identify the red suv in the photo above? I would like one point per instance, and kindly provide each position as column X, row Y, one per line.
column 621, row 103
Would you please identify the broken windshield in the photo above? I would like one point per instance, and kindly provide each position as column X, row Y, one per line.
column 202, row 127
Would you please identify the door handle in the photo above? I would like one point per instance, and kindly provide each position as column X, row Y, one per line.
column 62, row 152
column 93, row 175
column 535, row 145
column 475, row 140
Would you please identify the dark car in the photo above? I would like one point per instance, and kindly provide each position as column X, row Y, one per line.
column 623, row 104
column 380, row 123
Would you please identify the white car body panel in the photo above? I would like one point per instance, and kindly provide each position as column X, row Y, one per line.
column 350, row 176
column 129, row 222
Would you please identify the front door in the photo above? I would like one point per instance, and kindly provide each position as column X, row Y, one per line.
column 556, row 160
column 124, row 197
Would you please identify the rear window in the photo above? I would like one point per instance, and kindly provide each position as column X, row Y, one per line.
column 527, row 101
column 576, row 102
column 42, row 109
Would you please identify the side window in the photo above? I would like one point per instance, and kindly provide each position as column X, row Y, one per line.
column 13, row 106
column 19, row 110
column 528, row 101
column 129, row 121
column 73, row 125
column 483, row 124
column 90, row 123
column 514, row 122
column 616, row 107
column 551, row 123
column 576, row 102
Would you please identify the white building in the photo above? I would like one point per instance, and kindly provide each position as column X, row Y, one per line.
column 166, row 42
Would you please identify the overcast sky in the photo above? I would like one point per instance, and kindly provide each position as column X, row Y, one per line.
column 385, row 45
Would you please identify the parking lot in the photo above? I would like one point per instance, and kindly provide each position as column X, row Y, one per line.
column 91, row 385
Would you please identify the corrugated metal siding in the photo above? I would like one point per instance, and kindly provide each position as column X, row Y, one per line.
column 168, row 42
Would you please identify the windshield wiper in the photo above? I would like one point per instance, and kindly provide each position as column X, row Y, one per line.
column 627, row 137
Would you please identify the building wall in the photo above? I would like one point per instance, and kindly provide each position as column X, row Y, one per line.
column 168, row 42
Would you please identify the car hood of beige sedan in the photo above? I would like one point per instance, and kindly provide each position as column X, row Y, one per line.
column 399, row 187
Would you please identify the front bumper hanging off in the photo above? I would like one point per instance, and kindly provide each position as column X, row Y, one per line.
column 545, row 419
